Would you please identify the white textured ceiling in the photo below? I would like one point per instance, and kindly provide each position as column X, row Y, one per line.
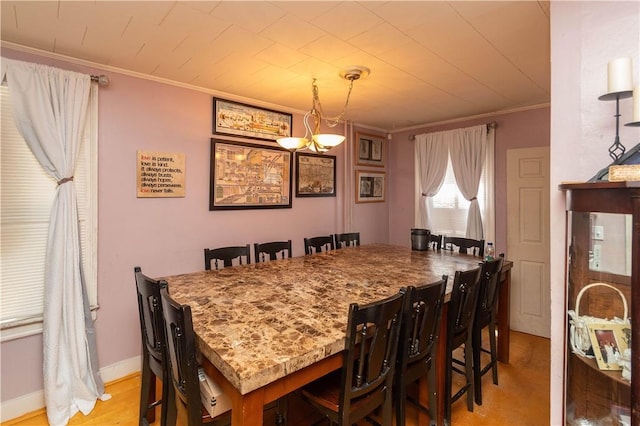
column 430, row 61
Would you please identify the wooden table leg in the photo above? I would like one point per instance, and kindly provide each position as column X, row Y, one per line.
column 503, row 317
column 247, row 410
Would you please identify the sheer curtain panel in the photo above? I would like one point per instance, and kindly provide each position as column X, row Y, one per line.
column 50, row 107
column 467, row 151
column 431, row 151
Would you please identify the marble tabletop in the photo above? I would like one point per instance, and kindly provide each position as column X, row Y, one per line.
column 260, row 322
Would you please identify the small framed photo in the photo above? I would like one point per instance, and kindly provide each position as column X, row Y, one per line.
column 370, row 150
column 608, row 342
column 315, row 175
column 370, row 186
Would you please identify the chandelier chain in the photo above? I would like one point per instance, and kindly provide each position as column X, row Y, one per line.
column 331, row 121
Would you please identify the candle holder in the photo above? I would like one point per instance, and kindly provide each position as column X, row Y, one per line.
column 616, row 150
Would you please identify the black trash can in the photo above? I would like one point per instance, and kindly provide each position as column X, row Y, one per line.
column 420, row 239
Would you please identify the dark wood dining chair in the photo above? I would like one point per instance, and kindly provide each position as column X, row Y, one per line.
column 184, row 368
column 435, row 241
column 422, row 314
column 485, row 317
column 464, row 245
column 318, row 244
column 153, row 353
column 271, row 251
column 461, row 313
column 365, row 381
column 347, row 239
column 223, row 257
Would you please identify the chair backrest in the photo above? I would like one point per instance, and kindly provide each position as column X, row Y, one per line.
column 489, row 289
column 347, row 239
column 223, row 257
column 435, row 241
column 422, row 314
column 371, row 347
column 272, row 250
column 151, row 325
column 181, row 356
column 465, row 245
column 318, row 244
column 462, row 306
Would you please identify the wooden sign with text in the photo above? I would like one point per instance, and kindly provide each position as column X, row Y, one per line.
column 161, row 174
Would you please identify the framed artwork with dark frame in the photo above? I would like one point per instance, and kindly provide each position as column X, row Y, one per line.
column 609, row 340
column 370, row 186
column 315, row 175
column 370, row 150
column 238, row 119
column 249, row 176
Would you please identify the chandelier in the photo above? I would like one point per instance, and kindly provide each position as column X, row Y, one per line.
column 313, row 139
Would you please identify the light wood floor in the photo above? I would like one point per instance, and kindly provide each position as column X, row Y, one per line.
column 521, row 398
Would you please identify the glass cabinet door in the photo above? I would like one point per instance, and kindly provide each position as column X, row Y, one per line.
column 598, row 360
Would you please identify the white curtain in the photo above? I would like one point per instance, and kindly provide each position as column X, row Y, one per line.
column 467, row 151
column 431, row 152
column 488, row 180
column 50, row 107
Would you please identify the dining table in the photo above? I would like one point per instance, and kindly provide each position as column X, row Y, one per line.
column 267, row 329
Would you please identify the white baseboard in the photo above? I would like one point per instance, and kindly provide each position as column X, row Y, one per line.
column 24, row 404
column 121, row 369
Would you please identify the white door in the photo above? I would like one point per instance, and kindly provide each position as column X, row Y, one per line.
column 528, row 239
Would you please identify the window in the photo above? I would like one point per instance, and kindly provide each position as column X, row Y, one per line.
column 26, row 197
column 448, row 208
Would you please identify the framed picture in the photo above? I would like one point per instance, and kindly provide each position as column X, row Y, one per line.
column 315, row 175
column 370, row 186
column 238, row 119
column 249, row 176
column 608, row 342
column 370, row 150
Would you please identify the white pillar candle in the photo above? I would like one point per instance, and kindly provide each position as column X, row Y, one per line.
column 619, row 73
column 636, row 105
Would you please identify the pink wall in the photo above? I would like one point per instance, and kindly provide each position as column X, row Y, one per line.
column 585, row 36
column 167, row 235
column 523, row 129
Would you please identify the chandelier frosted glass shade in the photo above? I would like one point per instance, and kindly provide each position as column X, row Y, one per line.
column 328, row 139
column 293, row 143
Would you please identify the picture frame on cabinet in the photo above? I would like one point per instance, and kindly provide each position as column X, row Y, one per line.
column 609, row 340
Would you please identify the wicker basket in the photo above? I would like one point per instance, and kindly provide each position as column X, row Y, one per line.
column 579, row 330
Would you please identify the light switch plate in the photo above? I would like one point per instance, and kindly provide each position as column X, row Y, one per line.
column 598, row 232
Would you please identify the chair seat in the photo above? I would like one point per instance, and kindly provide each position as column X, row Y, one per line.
column 324, row 391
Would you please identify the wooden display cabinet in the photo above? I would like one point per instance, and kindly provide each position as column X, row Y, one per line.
column 603, row 246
